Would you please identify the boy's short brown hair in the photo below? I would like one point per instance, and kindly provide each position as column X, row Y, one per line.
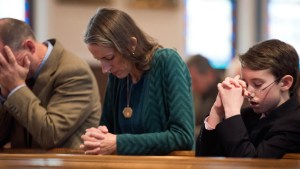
column 281, row 58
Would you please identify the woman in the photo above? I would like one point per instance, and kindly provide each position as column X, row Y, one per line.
column 148, row 106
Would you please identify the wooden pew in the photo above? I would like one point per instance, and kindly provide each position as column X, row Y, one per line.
column 40, row 151
column 292, row 156
column 182, row 153
column 77, row 151
column 76, row 161
column 74, row 158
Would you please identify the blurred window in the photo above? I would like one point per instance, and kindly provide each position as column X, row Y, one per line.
column 284, row 21
column 18, row 9
column 210, row 30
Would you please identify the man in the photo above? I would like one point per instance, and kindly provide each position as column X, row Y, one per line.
column 58, row 102
column 204, row 84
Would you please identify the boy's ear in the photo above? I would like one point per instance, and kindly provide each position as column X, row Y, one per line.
column 286, row 82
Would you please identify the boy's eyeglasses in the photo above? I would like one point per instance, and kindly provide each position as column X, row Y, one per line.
column 255, row 92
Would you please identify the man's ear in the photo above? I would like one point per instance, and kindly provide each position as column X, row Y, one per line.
column 133, row 43
column 29, row 45
column 286, row 82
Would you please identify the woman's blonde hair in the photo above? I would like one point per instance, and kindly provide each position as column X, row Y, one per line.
column 114, row 28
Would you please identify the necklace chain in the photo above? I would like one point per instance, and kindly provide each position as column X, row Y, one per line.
column 127, row 112
column 128, row 91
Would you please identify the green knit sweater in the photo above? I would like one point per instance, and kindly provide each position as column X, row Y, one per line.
column 165, row 114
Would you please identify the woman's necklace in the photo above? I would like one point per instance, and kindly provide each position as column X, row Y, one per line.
column 127, row 111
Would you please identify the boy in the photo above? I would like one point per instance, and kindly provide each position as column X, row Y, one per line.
column 270, row 127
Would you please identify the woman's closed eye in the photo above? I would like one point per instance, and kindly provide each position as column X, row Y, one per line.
column 108, row 58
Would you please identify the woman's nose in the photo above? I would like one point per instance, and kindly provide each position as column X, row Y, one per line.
column 105, row 67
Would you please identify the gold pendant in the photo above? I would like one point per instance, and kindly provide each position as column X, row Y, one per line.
column 127, row 112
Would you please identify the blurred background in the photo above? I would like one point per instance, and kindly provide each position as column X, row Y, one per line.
column 217, row 29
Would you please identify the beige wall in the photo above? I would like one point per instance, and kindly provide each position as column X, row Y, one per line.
column 67, row 22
